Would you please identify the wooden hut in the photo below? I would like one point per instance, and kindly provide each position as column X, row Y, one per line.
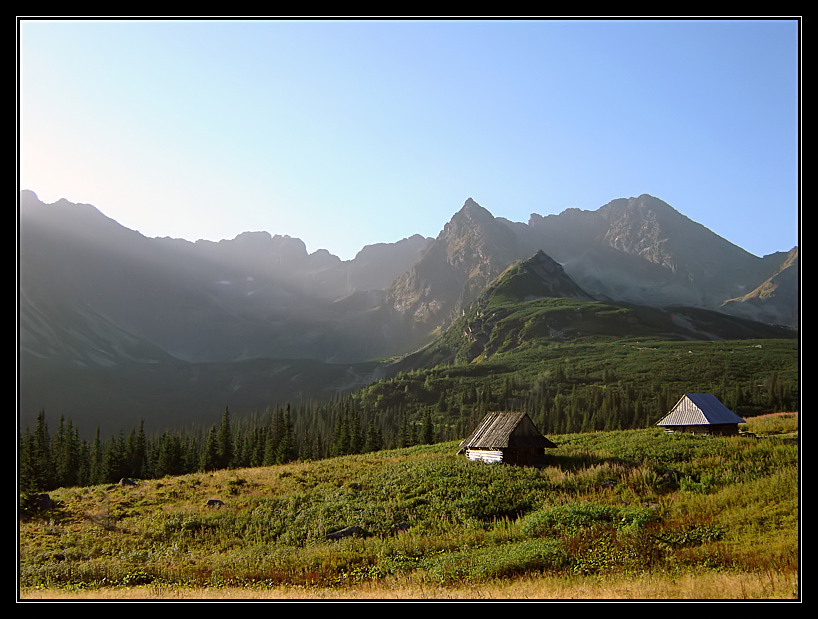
column 701, row 413
column 509, row 437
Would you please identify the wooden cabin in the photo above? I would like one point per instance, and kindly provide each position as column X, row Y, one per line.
column 508, row 437
column 701, row 413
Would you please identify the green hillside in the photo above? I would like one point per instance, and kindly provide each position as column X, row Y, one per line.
column 640, row 506
column 532, row 343
column 572, row 364
column 530, row 307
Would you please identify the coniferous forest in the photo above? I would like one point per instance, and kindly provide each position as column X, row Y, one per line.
column 413, row 407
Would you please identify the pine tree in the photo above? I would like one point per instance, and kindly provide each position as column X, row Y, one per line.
column 209, row 459
column 115, row 463
column 374, row 439
column 306, row 451
column 135, row 455
column 342, row 434
column 40, row 463
column 66, row 455
column 171, row 458
column 256, row 449
column 224, row 442
column 27, row 464
column 96, row 473
column 287, row 449
column 405, row 436
column 84, row 467
column 427, row 434
column 356, row 434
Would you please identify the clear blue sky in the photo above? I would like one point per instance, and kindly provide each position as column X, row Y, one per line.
column 345, row 133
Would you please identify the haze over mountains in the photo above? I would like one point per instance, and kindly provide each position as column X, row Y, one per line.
column 115, row 326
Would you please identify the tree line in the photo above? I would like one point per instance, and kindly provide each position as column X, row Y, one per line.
column 566, row 400
column 49, row 459
column 412, row 408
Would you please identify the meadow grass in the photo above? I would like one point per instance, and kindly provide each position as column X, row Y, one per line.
column 623, row 514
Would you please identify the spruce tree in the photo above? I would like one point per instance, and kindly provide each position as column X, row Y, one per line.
column 374, row 440
column 27, row 464
column 40, row 460
column 404, row 435
column 224, row 442
column 427, row 429
column 96, row 473
column 115, row 463
column 306, row 450
column 66, row 455
column 270, row 449
column 137, row 452
column 171, row 458
column 356, row 434
column 256, row 449
column 275, row 433
column 286, row 450
column 84, row 468
column 341, row 441
column 209, row 459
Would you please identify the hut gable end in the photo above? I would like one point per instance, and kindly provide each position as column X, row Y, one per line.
column 509, row 437
column 700, row 413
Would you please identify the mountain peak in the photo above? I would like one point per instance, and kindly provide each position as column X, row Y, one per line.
column 472, row 210
column 536, row 277
column 473, row 233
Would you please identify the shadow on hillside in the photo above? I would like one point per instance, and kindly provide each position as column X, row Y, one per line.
column 576, row 462
column 662, row 480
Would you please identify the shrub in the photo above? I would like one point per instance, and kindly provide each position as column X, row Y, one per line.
column 573, row 517
column 491, row 562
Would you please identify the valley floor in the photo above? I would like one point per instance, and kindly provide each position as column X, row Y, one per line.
column 710, row 586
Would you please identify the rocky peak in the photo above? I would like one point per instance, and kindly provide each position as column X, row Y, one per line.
column 471, row 218
column 473, row 237
column 473, row 209
column 472, row 249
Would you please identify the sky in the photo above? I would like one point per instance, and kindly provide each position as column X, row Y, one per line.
column 345, row 133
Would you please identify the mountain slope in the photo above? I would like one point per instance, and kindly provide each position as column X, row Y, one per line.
column 642, row 250
column 776, row 300
column 254, row 296
column 116, row 326
column 638, row 250
column 471, row 250
column 534, row 302
column 112, row 323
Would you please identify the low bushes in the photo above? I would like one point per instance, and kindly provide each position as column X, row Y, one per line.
column 621, row 502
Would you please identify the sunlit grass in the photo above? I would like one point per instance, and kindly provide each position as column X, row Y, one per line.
column 710, row 586
column 630, row 514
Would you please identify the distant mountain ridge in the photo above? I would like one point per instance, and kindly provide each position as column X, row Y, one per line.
column 256, row 295
column 535, row 301
column 636, row 249
column 775, row 300
column 181, row 324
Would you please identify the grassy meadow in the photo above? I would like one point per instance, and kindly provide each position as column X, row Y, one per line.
column 628, row 514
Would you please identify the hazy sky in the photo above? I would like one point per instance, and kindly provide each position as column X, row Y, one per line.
column 345, row 133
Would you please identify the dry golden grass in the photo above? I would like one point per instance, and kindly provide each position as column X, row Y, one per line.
column 711, row 586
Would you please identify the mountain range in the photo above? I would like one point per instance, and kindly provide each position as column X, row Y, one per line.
column 115, row 326
column 534, row 303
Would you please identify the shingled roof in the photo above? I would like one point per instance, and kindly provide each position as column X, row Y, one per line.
column 697, row 409
column 503, row 430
